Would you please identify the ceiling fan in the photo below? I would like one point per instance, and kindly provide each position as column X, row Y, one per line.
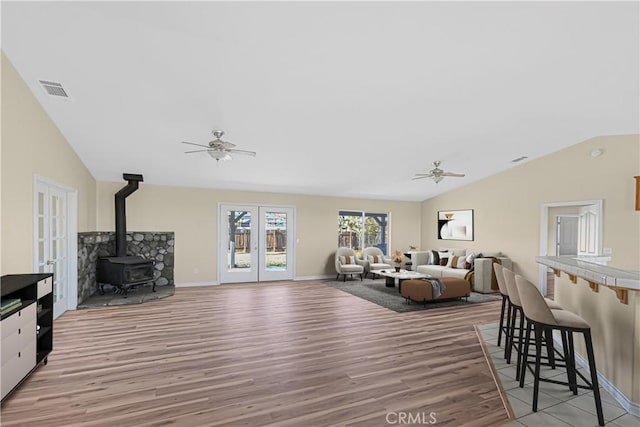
column 437, row 174
column 219, row 149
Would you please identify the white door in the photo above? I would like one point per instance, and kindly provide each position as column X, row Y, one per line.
column 256, row 243
column 567, row 235
column 239, row 244
column 588, row 233
column 51, row 245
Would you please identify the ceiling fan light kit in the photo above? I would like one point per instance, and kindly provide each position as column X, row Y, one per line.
column 219, row 155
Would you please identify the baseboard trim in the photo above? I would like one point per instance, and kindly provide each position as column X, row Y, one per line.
column 196, row 284
column 319, row 277
column 630, row 406
column 216, row 283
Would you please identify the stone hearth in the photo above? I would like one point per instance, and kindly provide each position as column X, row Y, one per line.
column 155, row 245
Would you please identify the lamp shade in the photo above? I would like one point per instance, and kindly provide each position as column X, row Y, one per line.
column 219, row 155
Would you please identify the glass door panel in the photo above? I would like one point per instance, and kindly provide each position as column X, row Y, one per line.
column 276, row 243
column 239, row 244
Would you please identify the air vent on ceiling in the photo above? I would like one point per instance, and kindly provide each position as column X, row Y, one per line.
column 54, row 89
column 519, row 159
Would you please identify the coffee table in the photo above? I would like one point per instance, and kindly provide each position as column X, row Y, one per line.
column 392, row 277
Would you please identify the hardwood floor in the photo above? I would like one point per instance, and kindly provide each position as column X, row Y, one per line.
column 287, row 354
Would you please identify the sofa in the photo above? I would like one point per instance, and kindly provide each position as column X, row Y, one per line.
column 472, row 265
column 422, row 291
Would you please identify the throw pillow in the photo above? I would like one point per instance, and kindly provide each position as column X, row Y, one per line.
column 444, row 258
column 461, row 262
column 453, row 262
column 378, row 259
column 347, row 259
column 456, row 262
column 370, row 258
column 471, row 258
column 435, row 258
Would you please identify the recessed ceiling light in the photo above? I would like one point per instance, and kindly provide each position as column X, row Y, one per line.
column 519, row 159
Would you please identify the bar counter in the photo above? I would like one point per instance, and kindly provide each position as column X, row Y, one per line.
column 620, row 281
column 613, row 314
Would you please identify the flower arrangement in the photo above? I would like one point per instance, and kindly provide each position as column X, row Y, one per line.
column 397, row 257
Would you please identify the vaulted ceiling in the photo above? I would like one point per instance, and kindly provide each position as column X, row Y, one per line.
column 337, row 98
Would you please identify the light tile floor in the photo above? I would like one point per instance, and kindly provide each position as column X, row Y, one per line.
column 557, row 406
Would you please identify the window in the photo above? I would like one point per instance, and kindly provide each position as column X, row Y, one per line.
column 358, row 230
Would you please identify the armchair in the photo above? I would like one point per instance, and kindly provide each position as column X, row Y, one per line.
column 374, row 260
column 348, row 263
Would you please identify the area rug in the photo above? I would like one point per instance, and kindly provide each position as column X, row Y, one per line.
column 377, row 292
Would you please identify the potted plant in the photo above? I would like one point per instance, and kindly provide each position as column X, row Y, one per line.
column 397, row 257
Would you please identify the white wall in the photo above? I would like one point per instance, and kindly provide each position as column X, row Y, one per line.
column 193, row 215
column 33, row 145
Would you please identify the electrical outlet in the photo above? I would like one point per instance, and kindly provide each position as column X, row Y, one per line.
column 196, row 270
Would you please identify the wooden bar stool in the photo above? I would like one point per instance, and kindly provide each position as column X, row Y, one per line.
column 544, row 320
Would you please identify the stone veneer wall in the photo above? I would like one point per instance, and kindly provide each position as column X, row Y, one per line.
column 155, row 245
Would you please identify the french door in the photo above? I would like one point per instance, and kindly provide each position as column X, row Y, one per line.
column 256, row 243
column 51, row 240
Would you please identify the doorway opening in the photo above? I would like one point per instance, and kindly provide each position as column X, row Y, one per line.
column 588, row 234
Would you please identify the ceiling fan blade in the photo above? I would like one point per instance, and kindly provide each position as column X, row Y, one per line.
column 459, row 175
column 420, row 176
column 193, row 143
column 245, row 152
column 195, row 151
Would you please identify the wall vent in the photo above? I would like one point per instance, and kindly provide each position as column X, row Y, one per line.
column 54, row 89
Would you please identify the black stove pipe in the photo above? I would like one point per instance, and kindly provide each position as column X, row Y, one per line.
column 121, row 219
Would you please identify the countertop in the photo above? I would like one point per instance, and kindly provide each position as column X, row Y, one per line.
column 586, row 268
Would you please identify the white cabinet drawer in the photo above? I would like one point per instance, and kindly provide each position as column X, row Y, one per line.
column 17, row 320
column 16, row 368
column 20, row 337
column 45, row 287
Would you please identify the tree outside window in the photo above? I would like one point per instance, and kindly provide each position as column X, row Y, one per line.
column 358, row 230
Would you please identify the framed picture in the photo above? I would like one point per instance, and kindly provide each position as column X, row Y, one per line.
column 455, row 225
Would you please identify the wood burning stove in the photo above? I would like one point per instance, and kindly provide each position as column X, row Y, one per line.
column 122, row 271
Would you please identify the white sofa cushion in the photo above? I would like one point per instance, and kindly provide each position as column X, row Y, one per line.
column 441, row 271
column 379, row 266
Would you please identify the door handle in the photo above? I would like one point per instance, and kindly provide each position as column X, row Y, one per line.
column 50, row 262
